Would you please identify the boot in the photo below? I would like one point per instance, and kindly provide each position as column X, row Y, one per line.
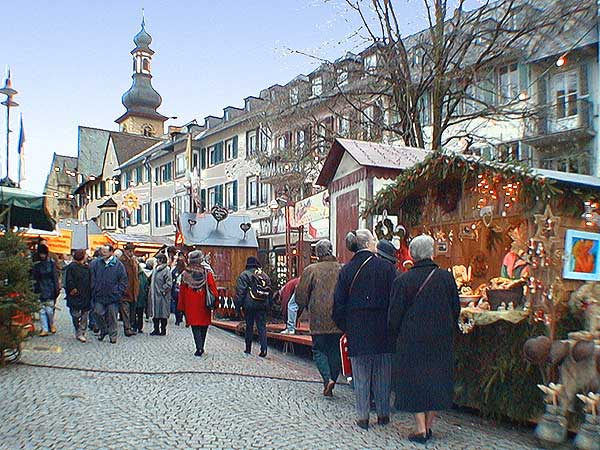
column 163, row 327
column 156, row 331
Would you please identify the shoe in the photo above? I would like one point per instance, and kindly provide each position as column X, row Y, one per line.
column 81, row 339
column 286, row 331
column 130, row 333
column 44, row 333
column 383, row 420
column 429, row 434
column 113, row 340
column 247, row 352
column 419, row 438
column 328, row 391
column 262, row 354
column 155, row 333
column 101, row 336
column 364, row 424
column 53, row 329
column 199, row 353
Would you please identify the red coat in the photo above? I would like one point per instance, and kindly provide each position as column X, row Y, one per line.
column 193, row 303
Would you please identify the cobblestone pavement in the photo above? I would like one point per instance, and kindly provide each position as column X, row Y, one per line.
column 49, row 408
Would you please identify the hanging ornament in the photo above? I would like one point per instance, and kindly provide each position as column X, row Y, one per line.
column 546, row 228
column 245, row 227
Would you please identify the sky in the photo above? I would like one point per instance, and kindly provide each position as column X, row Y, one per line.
column 71, row 64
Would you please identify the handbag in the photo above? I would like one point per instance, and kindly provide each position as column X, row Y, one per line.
column 211, row 300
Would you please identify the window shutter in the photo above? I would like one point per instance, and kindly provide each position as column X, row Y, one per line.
column 168, row 212
column 235, row 147
column 234, row 203
column 203, row 200
column 219, row 195
column 583, row 81
column 102, row 188
column 156, row 175
column 157, row 215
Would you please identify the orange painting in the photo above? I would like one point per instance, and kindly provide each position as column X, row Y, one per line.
column 584, row 255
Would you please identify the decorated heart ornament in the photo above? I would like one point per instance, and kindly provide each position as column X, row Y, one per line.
column 245, row 227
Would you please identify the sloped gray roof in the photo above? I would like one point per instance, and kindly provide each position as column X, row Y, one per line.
column 129, row 145
column 80, row 230
column 91, row 148
column 203, row 230
column 140, row 239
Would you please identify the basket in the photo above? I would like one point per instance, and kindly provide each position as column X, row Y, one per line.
column 506, row 296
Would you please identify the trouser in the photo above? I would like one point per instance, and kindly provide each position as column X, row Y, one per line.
column 47, row 315
column 260, row 318
column 106, row 318
column 292, row 315
column 326, row 355
column 178, row 317
column 199, row 333
column 125, row 310
column 160, row 326
column 80, row 321
column 137, row 321
column 372, row 373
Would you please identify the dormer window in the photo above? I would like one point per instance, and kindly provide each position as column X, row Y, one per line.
column 317, row 86
column 294, row 95
column 342, row 78
column 370, row 63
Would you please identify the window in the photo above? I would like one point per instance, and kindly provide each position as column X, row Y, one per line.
column 370, row 63
column 215, row 196
column 265, row 193
column 317, row 86
column 157, row 175
column 251, row 143
column 294, row 95
column 182, row 203
column 342, row 77
column 133, row 218
column 147, row 130
column 203, row 158
column 180, row 164
column 508, row 84
column 195, row 160
column 300, row 138
column 164, row 213
column 145, row 211
column 166, row 172
column 425, row 108
column 231, row 195
column 215, row 154
column 265, row 139
column 138, row 175
column 126, row 179
column 251, row 191
column 109, row 221
column 146, row 65
column 343, row 126
column 282, row 142
column 231, row 148
column 565, row 90
column 367, row 117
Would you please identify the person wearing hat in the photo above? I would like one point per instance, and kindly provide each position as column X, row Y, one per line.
column 78, row 289
column 160, row 295
column 127, row 306
column 47, row 286
column 195, row 281
column 387, row 251
column 253, row 295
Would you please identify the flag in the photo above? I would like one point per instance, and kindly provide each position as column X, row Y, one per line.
column 188, row 153
column 21, row 151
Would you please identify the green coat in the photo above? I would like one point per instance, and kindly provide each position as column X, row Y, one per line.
column 142, row 298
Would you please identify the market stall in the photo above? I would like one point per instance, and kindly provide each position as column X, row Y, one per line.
column 21, row 208
column 521, row 243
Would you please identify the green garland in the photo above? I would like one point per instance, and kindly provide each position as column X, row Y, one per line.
column 441, row 166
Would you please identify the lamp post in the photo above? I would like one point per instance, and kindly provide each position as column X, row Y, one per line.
column 9, row 103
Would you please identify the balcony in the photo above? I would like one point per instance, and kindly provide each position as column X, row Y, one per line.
column 566, row 122
column 277, row 169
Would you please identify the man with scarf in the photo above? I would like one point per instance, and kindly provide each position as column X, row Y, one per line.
column 195, row 281
column 109, row 282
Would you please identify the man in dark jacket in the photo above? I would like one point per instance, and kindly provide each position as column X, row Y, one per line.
column 47, row 286
column 127, row 306
column 109, row 282
column 78, row 289
column 315, row 291
column 255, row 310
column 360, row 309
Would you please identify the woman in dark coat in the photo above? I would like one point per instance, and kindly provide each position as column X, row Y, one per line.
column 192, row 298
column 47, row 286
column 360, row 307
column 78, row 289
column 423, row 317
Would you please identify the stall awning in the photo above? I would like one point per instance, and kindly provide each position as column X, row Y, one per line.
column 140, row 240
column 24, row 208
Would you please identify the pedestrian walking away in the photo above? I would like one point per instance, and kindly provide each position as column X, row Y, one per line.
column 109, row 282
column 423, row 317
column 195, row 281
column 142, row 300
column 288, row 304
column 315, row 291
column 160, row 288
column 47, row 287
column 127, row 306
column 78, row 291
column 254, row 297
column 360, row 309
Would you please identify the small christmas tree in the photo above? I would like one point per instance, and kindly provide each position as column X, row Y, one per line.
column 17, row 300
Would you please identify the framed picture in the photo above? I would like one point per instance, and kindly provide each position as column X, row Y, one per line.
column 442, row 247
column 582, row 256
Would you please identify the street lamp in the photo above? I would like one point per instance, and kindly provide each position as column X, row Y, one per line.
column 9, row 103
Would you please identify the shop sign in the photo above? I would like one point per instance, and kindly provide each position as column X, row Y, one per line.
column 97, row 240
column 312, row 209
column 60, row 244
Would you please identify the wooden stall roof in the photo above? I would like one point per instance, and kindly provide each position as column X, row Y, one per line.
column 140, row 240
column 204, row 230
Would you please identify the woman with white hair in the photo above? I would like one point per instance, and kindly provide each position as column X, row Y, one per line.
column 360, row 308
column 423, row 317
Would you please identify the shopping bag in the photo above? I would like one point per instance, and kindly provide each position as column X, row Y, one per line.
column 346, row 364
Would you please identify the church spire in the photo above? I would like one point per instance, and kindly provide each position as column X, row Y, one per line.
column 142, row 100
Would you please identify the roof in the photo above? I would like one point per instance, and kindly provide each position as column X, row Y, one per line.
column 140, row 239
column 129, row 145
column 26, row 208
column 109, row 203
column 203, row 230
column 369, row 154
column 91, row 147
column 577, row 179
column 62, row 162
column 81, row 230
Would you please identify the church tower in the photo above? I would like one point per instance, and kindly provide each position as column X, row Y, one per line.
column 141, row 100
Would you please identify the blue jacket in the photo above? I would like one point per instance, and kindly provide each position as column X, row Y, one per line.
column 362, row 313
column 45, row 276
column 109, row 281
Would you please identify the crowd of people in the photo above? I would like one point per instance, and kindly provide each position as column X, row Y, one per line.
column 399, row 327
